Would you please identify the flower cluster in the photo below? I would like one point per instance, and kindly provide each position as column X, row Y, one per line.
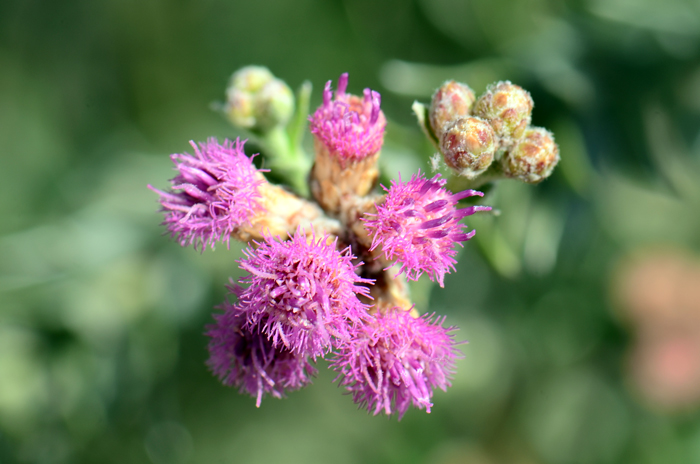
column 395, row 360
column 244, row 357
column 214, row 193
column 321, row 272
column 418, row 225
column 302, row 293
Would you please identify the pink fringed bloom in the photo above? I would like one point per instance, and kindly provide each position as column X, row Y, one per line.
column 418, row 225
column 396, row 360
column 215, row 192
column 352, row 128
column 301, row 292
column 243, row 357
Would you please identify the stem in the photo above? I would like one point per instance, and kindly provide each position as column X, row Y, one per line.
column 457, row 183
column 276, row 143
column 291, row 161
column 283, row 146
column 297, row 126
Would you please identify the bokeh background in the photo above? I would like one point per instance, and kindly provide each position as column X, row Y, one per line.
column 581, row 301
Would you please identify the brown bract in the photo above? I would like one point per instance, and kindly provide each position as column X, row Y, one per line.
column 332, row 183
column 352, row 214
column 282, row 212
column 390, row 292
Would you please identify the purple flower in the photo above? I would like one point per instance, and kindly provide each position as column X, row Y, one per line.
column 418, row 225
column 301, row 292
column 352, row 128
column 396, row 360
column 214, row 193
column 241, row 356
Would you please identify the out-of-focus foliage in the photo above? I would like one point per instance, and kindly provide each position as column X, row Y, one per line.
column 101, row 318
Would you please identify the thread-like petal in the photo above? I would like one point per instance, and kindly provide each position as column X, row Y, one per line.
column 352, row 128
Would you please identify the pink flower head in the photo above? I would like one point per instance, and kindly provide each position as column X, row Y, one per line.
column 214, row 193
column 301, row 292
column 241, row 356
column 418, row 225
column 352, row 128
column 396, row 360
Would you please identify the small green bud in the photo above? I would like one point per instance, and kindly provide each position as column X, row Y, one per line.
column 533, row 157
column 468, row 146
column 240, row 108
column 276, row 104
column 250, row 79
column 452, row 100
column 257, row 100
column 508, row 108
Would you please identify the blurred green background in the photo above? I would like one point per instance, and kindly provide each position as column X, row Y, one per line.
column 580, row 301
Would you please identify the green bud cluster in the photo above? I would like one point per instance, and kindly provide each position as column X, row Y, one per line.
column 491, row 133
column 257, row 100
column 264, row 108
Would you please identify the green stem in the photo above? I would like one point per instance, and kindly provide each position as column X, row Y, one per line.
column 276, row 143
column 457, row 183
column 283, row 146
column 297, row 126
column 291, row 161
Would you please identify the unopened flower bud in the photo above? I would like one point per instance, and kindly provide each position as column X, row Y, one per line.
column 508, row 108
column 276, row 104
column 533, row 157
column 451, row 101
column 468, row 146
column 250, row 78
column 257, row 100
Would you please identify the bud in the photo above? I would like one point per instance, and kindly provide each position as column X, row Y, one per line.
column 250, row 78
column 451, row 101
column 533, row 157
column 276, row 104
column 508, row 108
column 468, row 146
column 257, row 100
